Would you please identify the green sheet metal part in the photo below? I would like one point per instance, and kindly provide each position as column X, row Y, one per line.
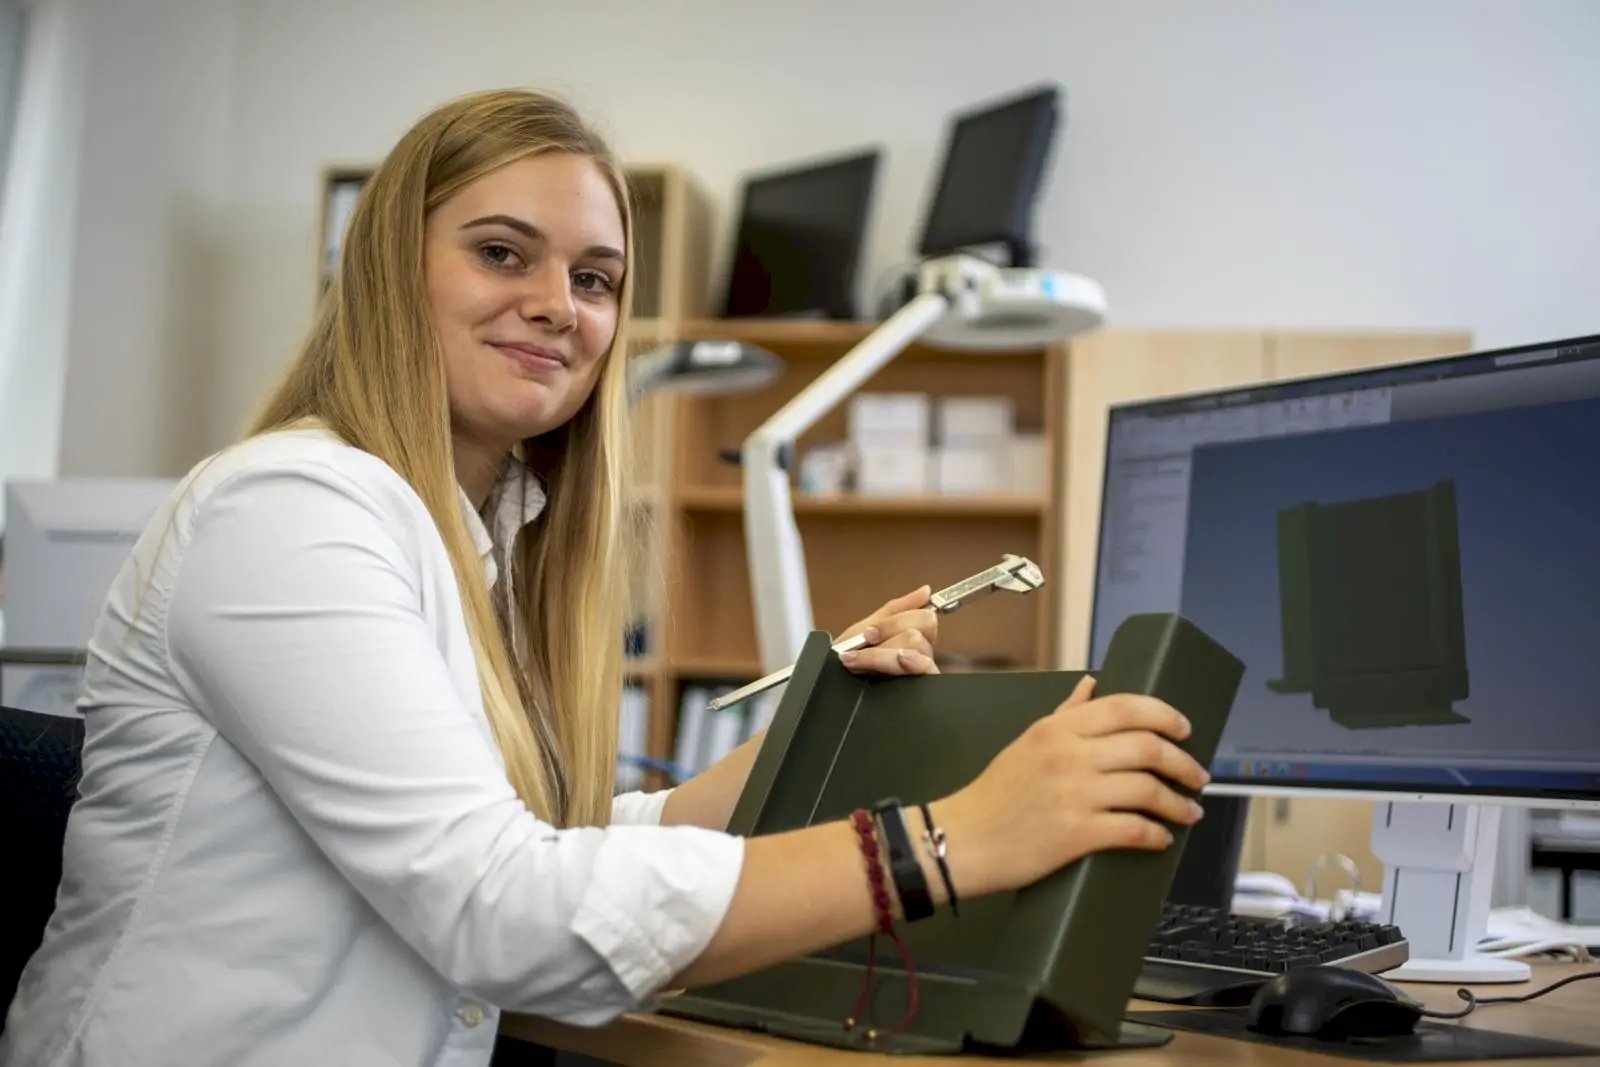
column 1370, row 596
column 1049, row 966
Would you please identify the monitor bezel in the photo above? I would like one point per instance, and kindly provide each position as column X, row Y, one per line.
column 1241, row 787
column 1264, row 391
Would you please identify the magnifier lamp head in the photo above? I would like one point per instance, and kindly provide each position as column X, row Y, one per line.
column 997, row 308
column 703, row 368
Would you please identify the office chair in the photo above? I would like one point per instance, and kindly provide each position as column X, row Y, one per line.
column 39, row 760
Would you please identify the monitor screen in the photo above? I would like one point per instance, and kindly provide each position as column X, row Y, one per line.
column 1405, row 559
column 798, row 245
column 993, row 164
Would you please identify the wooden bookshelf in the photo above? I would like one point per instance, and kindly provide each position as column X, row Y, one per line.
column 860, row 550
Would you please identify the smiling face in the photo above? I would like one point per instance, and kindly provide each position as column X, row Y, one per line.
column 523, row 271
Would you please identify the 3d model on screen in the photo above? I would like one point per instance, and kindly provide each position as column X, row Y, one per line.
column 1370, row 594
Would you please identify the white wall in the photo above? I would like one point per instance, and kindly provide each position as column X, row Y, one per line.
column 1308, row 163
column 144, row 335
column 37, row 215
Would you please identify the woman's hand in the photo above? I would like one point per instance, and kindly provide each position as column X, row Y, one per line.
column 1092, row 775
column 900, row 637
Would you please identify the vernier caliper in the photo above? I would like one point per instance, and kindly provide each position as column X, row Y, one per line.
column 1014, row 574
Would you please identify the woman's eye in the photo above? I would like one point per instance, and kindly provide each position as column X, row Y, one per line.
column 499, row 255
column 592, row 281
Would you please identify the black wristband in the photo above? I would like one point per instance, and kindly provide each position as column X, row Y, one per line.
column 909, row 884
column 936, row 845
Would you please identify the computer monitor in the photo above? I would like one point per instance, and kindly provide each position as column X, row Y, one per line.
column 994, row 161
column 1405, row 559
column 65, row 541
column 797, row 248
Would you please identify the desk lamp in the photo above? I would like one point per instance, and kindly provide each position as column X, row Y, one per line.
column 961, row 302
column 702, row 368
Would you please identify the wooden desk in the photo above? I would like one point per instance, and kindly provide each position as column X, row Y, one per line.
column 1570, row 1014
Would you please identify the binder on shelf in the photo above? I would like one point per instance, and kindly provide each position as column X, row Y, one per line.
column 633, row 738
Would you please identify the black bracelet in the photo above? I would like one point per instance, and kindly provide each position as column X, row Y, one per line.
column 909, row 884
column 934, row 837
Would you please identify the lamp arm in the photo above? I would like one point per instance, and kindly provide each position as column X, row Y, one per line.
column 772, row 539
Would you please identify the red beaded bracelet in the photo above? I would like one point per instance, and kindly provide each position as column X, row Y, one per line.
column 866, row 834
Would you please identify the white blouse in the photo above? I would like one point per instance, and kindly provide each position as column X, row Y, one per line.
column 296, row 842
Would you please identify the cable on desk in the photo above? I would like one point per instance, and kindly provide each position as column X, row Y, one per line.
column 1473, row 1002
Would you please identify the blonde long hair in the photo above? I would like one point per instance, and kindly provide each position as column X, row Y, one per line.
column 372, row 371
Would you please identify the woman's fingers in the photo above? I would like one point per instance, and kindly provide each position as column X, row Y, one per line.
column 923, row 622
column 914, row 639
column 1081, row 693
column 883, row 659
column 1145, row 794
column 1142, row 751
column 905, row 602
column 1128, row 711
column 1123, row 829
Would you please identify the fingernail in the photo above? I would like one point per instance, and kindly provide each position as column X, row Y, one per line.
column 1205, row 776
column 871, row 634
column 1188, row 727
column 1196, row 811
column 1167, row 834
column 907, row 658
column 849, row 657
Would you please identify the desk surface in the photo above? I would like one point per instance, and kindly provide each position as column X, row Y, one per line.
column 1571, row 1013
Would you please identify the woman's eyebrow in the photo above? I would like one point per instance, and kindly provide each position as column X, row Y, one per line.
column 527, row 229
column 533, row 233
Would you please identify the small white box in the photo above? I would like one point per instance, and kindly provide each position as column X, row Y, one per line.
column 897, row 419
column 826, row 469
column 1030, row 464
column 975, row 419
column 892, row 470
column 970, row 470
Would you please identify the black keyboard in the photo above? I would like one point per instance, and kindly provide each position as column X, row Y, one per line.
column 1202, row 955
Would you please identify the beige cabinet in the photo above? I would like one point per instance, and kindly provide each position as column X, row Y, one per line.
column 1117, row 366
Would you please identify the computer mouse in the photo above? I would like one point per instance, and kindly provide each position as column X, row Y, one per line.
column 1332, row 1003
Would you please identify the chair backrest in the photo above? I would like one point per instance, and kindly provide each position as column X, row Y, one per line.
column 39, row 763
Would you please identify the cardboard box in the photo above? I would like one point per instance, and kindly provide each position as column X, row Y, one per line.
column 971, row 470
column 892, row 470
column 893, row 419
column 971, row 420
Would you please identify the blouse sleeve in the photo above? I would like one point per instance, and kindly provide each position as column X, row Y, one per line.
column 297, row 627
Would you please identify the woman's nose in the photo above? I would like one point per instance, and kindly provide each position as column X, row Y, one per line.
column 548, row 298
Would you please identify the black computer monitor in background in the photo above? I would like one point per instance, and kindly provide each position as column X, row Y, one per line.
column 994, row 161
column 797, row 247
column 1404, row 559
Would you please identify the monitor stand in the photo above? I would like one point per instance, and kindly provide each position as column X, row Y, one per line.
column 1438, row 870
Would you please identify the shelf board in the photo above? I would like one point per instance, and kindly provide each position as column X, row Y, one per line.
column 717, row 498
column 825, row 340
column 726, row 667
column 637, row 669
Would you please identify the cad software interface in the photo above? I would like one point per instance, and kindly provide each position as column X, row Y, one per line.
column 1407, row 560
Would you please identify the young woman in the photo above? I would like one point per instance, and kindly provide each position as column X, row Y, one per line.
column 351, row 706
